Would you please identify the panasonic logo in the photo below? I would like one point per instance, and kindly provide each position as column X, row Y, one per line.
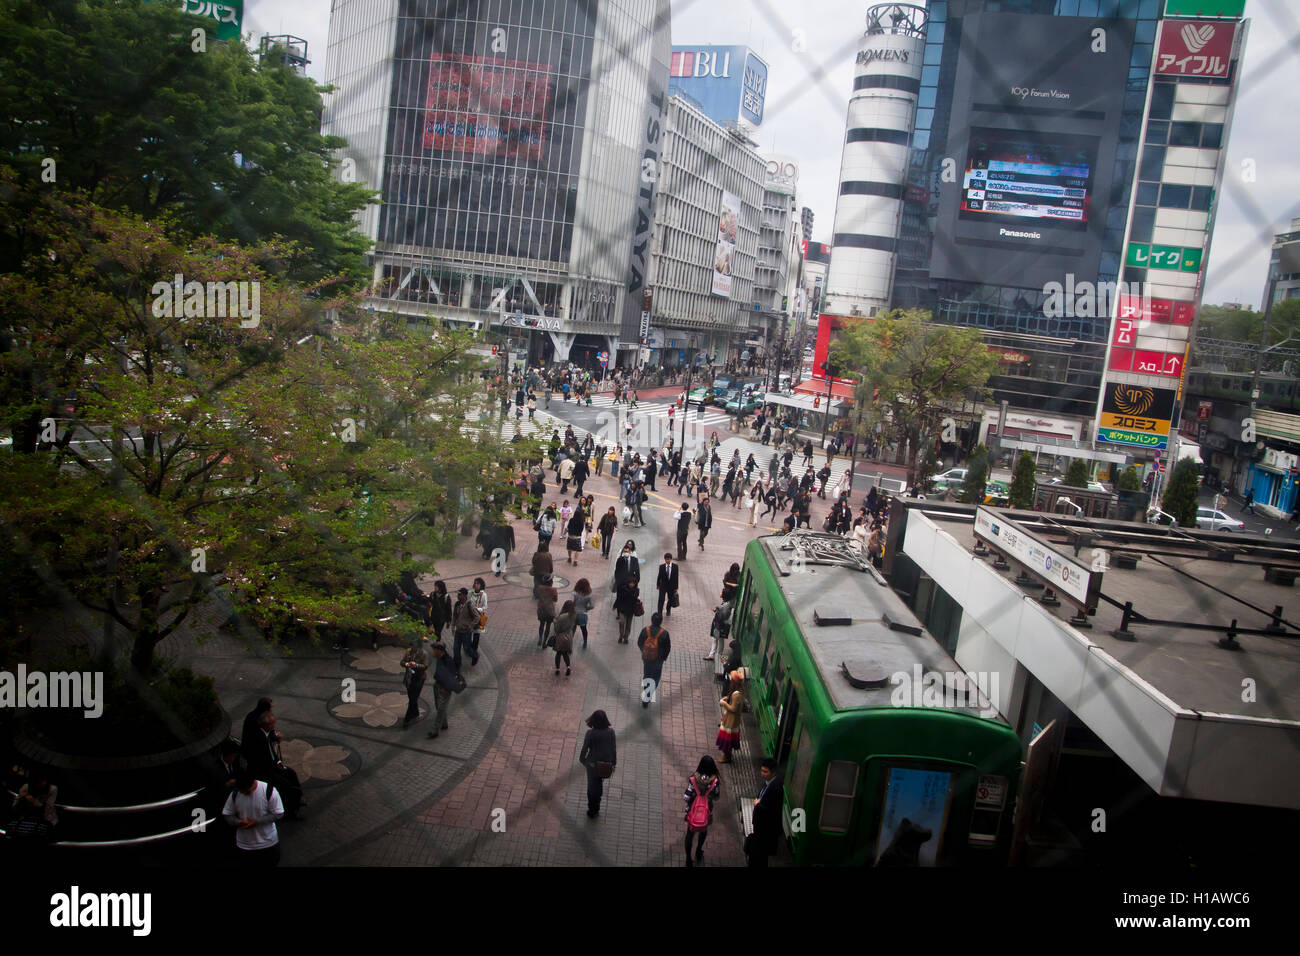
column 1017, row 234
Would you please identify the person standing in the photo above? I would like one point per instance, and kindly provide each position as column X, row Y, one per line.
column 543, row 567
column 704, row 520
column 730, row 583
column 608, row 525
column 565, row 625
column 701, row 793
column 599, row 755
column 729, row 728
column 582, row 604
column 752, row 501
column 651, row 470
column 683, row 530
column 767, row 816
column 546, row 525
column 478, row 600
column 719, row 629
column 440, row 611
column 464, row 620
column 654, row 644
column 415, row 665
column 253, row 810
column 532, row 405
column 546, row 598
column 666, row 584
column 626, row 604
column 445, row 683
column 577, row 527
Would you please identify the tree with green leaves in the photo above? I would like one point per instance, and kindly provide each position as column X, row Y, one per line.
column 113, row 99
column 977, row 476
column 1129, row 480
column 1077, row 475
column 285, row 469
column 920, row 370
column 1180, row 497
column 1023, row 482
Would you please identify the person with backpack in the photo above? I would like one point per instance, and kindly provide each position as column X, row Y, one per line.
column 546, row 525
column 701, row 793
column 253, row 810
column 655, row 646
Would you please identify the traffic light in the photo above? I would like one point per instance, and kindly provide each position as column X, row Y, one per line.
column 494, row 350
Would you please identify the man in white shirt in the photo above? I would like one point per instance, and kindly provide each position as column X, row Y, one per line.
column 253, row 810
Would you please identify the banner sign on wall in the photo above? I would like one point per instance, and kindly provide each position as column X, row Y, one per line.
column 724, row 256
column 1195, row 48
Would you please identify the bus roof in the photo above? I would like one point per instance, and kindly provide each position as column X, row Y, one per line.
column 882, row 637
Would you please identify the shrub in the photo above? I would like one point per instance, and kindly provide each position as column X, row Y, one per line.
column 1077, row 474
column 1023, row 481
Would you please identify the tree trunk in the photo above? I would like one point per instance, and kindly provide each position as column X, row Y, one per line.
column 147, row 636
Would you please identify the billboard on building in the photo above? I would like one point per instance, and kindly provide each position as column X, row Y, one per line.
column 1195, row 48
column 725, row 255
column 1025, row 198
column 228, row 14
column 728, row 82
column 782, row 174
column 485, row 146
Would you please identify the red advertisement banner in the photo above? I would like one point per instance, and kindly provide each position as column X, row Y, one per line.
column 1195, row 48
column 1166, row 311
column 1145, row 362
column 483, row 106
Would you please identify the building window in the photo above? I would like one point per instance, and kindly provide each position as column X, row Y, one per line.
column 1211, row 135
column 1157, row 131
column 837, row 800
column 1148, row 194
column 1174, row 196
column 1162, row 100
column 1153, row 164
column 1202, row 198
column 1184, row 134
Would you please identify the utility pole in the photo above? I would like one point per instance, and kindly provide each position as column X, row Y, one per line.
column 826, row 412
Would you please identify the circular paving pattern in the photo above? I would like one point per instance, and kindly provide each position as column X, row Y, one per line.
column 387, row 659
column 524, row 579
column 373, row 710
column 320, row 763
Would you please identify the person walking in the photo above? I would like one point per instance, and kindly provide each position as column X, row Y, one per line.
column 729, row 728
column 608, row 525
column 731, row 582
column 566, row 471
column 627, row 602
column 752, row 501
column 1248, row 506
column 532, row 406
column 464, row 619
column 446, row 680
column 582, row 469
column 599, row 755
column 440, row 609
column 720, row 629
column 546, row 598
column 767, row 816
column 577, row 527
column 546, row 525
column 823, row 477
column 478, row 601
column 807, row 453
column 666, row 584
column 654, row 644
column 683, row 530
column 701, row 793
column 704, row 520
column 627, row 564
column 582, row 604
column 415, row 668
column 565, row 625
column 543, row 567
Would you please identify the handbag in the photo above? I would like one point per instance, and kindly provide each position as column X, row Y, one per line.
column 595, row 539
column 673, row 600
column 640, row 609
column 482, row 622
column 604, row 769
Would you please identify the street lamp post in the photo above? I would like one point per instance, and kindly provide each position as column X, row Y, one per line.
column 826, row 412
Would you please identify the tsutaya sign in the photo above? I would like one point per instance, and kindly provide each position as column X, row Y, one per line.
column 1057, row 571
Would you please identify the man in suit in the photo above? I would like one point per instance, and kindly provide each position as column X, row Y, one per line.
column 251, row 721
column 767, row 816
column 262, row 751
column 683, row 530
column 667, row 584
column 704, row 518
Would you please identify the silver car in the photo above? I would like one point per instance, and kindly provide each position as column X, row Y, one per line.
column 1211, row 519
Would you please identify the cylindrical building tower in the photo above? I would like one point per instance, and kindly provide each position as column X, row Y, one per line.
column 873, row 170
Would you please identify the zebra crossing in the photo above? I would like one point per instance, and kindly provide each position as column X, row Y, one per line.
column 651, row 429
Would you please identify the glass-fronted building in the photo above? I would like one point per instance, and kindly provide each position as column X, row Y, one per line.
column 514, row 143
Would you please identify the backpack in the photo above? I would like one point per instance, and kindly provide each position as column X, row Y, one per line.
column 650, row 649
column 700, row 814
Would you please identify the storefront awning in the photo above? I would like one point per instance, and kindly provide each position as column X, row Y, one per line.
column 839, row 390
column 802, row 402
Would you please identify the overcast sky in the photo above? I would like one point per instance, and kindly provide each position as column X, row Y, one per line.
column 808, row 93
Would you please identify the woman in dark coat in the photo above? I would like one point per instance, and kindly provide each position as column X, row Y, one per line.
column 730, row 582
column 599, row 746
column 440, row 613
column 625, row 602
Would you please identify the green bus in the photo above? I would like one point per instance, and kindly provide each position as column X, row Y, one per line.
column 890, row 754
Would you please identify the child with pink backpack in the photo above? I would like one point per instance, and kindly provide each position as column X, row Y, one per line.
column 701, row 793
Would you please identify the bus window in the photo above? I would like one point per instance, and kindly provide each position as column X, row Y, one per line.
column 837, row 800
column 757, row 629
column 801, row 760
column 785, row 721
column 777, row 677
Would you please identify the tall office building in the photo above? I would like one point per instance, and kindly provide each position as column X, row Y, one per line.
column 705, row 246
column 1062, row 151
column 516, row 146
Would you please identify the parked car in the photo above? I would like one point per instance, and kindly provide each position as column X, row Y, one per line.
column 1211, row 519
column 745, row 403
column 997, row 493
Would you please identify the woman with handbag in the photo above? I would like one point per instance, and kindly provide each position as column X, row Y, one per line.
column 730, row 583
column 599, row 755
column 576, row 527
column 546, row 525
column 627, row 604
column 565, row 625
column 582, row 603
column 546, row 598
column 653, row 642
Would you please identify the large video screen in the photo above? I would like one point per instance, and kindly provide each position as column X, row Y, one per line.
column 1033, row 136
column 914, row 817
column 1017, row 177
column 485, row 126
